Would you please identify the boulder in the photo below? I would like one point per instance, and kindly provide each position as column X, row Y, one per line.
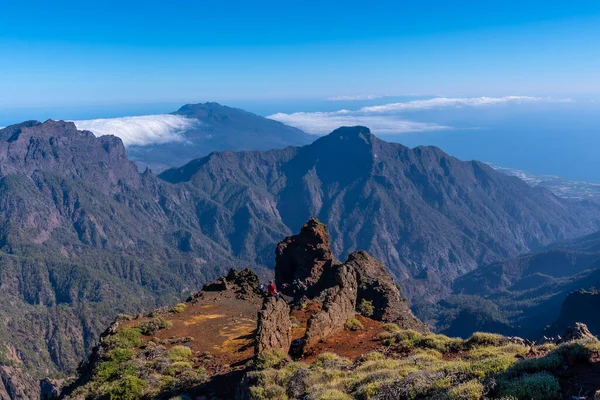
column 339, row 305
column 377, row 286
column 216, row 286
column 578, row 331
column 301, row 259
column 244, row 278
column 274, row 328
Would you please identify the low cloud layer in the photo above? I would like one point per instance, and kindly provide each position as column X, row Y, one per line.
column 387, row 118
column 143, row 130
column 322, row 123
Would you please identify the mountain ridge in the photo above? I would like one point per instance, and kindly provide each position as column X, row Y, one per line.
column 351, row 169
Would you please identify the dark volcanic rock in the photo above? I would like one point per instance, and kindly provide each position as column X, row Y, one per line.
column 274, row 328
column 339, row 305
column 376, row 285
column 576, row 332
column 216, row 286
column 300, row 260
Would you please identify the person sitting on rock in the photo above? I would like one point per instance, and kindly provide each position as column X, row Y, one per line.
column 272, row 290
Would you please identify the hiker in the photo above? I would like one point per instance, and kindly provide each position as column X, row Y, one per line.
column 262, row 289
column 272, row 290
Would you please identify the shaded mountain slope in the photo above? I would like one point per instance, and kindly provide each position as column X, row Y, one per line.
column 218, row 128
column 84, row 236
column 429, row 216
column 529, row 290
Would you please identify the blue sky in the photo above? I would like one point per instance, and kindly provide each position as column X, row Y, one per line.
column 513, row 83
column 75, row 54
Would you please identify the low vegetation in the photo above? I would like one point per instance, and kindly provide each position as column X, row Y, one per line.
column 415, row 366
column 130, row 369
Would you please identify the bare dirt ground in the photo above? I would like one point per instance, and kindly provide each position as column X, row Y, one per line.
column 222, row 326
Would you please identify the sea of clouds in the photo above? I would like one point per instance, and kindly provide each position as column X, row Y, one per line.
column 141, row 130
column 388, row 118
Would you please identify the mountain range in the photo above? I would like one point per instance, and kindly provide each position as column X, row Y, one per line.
column 84, row 236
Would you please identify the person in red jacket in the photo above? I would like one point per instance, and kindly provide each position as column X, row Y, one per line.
column 271, row 289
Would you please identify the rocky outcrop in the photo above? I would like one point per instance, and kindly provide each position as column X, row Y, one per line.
column 245, row 279
column 339, row 305
column 274, row 328
column 377, row 286
column 300, row 260
column 578, row 331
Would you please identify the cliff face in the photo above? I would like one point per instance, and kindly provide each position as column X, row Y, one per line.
column 579, row 306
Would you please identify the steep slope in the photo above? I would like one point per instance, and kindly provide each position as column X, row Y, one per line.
column 429, row 216
column 218, row 128
column 579, row 306
column 83, row 237
column 529, row 290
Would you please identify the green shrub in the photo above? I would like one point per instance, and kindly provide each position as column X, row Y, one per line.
column 148, row 328
column 180, row 353
column 179, row 308
column 485, row 339
column 353, row 324
column 331, row 361
column 120, row 355
column 124, row 338
column 271, row 359
column 366, row 308
column 539, row 386
column 392, row 328
column 178, row 367
column 550, row 362
column 471, row 390
column 490, row 366
column 270, row 392
column 333, row 394
column 127, row 388
column 573, row 353
column 182, row 397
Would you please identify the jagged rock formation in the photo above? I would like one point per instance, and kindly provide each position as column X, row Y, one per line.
column 274, row 329
column 339, row 305
column 306, row 269
column 377, row 286
column 301, row 259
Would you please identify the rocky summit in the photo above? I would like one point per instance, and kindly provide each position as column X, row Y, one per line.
column 344, row 333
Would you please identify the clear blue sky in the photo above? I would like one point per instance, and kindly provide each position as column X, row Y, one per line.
column 68, row 53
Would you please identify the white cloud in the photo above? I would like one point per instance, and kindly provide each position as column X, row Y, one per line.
column 357, row 97
column 321, row 123
column 385, row 118
column 440, row 102
column 141, row 130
